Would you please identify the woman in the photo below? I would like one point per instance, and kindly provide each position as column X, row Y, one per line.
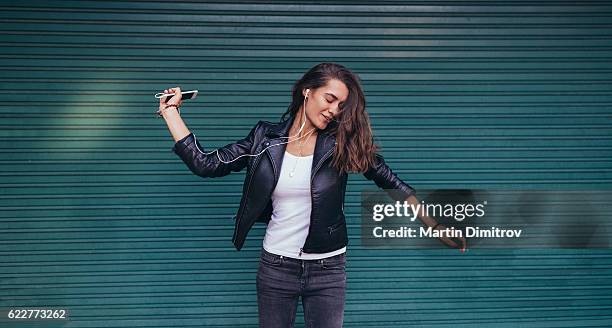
column 296, row 178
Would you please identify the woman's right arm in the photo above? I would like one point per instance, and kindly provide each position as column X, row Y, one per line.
column 173, row 119
column 231, row 157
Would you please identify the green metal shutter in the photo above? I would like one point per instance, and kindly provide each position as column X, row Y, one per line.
column 99, row 217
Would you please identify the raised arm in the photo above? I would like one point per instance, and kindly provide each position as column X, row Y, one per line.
column 188, row 148
column 216, row 163
column 170, row 113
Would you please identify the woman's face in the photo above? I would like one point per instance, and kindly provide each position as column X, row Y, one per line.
column 324, row 103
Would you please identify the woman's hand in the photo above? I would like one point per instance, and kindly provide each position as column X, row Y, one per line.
column 176, row 100
column 452, row 242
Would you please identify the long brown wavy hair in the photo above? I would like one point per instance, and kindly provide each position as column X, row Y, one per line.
column 355, row 149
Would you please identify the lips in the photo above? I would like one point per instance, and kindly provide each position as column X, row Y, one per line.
column 327, row 119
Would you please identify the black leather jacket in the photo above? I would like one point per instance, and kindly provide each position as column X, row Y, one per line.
column 327, row 231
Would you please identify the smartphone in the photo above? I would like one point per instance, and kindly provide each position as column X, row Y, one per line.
column 185, row 95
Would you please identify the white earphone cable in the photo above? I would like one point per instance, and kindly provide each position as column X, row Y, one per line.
column 261, row 152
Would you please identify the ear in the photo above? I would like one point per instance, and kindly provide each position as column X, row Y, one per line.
column 305, row 92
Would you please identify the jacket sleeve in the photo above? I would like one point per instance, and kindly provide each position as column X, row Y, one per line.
column 209, row 166
column 385, row 179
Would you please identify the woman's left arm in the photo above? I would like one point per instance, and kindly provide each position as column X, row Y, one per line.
column 386, row 179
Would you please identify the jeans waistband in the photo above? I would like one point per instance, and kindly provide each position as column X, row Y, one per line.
column 290, row 259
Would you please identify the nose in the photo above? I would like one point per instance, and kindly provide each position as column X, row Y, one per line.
column 334, row 111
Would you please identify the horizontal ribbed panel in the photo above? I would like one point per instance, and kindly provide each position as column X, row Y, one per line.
column 98, row 216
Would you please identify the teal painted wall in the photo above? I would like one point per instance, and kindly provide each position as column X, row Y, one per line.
column 99, row 217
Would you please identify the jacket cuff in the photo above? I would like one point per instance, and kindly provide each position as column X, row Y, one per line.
column 400, row 193
column 180, row 146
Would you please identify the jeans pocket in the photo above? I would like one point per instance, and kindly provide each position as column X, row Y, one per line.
column 271, row 260
column 335, row 263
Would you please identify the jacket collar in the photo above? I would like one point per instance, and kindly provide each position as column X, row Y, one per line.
column 280, row 129
column 323, row 148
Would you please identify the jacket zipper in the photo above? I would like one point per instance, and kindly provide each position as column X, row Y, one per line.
column 334, row 227
column 325, row 157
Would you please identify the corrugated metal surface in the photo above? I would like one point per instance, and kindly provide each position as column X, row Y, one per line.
column 97, row 216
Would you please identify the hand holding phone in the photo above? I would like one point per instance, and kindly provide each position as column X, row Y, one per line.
column 184, row 95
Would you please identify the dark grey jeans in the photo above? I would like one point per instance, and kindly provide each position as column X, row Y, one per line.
column 321, row 283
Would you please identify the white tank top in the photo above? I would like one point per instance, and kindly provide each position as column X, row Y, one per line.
column 291, row 205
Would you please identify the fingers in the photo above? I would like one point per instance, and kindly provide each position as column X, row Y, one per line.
column 176, row 99
column 162, row 100
column 463, row 244
column 450, row 242
column 177, row 92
